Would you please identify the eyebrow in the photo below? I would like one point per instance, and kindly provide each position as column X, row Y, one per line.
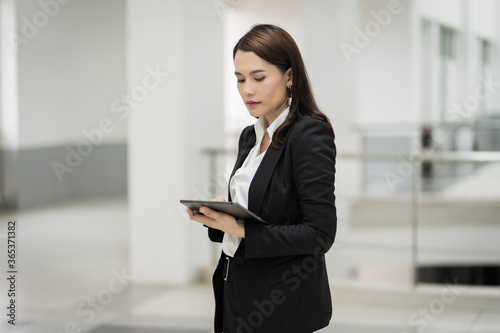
column 252, row 72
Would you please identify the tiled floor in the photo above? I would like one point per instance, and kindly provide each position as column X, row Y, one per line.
column 69, row 254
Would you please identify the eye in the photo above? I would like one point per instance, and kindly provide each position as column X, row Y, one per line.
column 258, row 79
column 241, row 80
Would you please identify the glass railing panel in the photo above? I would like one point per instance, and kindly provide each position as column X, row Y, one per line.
column 374, row 222
column 458, row 223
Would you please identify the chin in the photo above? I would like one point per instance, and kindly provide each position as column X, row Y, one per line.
column 255, row 114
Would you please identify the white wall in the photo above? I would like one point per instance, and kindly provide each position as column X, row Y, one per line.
column 205, row 119
column 483, row 18
column 167, row 131
column 482, row 15
column 9, row 120
column 446, row 12
column 384, row 65
column 71, row 68
column 472, row 20
column 326, row 25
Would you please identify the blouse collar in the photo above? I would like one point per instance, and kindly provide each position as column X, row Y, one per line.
column 260, row 125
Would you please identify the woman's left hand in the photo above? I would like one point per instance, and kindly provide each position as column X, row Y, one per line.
column 218, row 220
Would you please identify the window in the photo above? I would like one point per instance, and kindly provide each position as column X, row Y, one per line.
column 448, row 73
column 486, row 69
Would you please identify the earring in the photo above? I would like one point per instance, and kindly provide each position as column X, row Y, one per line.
column 290, row 95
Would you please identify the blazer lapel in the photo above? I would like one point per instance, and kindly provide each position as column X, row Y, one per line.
column 245, row 148
column 263, row 175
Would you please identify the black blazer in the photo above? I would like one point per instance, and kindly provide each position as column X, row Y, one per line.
column 279, row 268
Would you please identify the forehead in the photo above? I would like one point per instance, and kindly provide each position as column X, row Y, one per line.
column 246, row 62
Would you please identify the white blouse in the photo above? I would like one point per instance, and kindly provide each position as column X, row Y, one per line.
column 242, row 178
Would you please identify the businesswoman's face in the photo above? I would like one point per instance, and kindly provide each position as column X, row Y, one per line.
column 262, row 86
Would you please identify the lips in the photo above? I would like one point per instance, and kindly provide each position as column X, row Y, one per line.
column 252, row 103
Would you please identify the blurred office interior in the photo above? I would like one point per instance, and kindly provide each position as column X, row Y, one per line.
column 112, row 111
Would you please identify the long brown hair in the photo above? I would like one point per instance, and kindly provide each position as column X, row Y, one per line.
column 276, row 46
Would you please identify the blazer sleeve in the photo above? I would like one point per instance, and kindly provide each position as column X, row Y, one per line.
column 313, row 155
column 215, row 235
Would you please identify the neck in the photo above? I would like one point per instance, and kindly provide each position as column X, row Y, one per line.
column 273, row 115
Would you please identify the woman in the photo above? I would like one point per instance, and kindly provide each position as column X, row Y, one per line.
column 272, row 277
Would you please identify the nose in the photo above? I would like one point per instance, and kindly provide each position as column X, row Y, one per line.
column 248, row 89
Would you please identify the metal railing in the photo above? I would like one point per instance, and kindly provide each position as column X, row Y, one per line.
column 417, row 158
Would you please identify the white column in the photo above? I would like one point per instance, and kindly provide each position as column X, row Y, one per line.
column 9, row 113
column 9, row 121
column 334, row 78
column 327, row 24
column 175, row 82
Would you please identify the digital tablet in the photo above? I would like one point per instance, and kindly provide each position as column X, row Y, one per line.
column 240, row 213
